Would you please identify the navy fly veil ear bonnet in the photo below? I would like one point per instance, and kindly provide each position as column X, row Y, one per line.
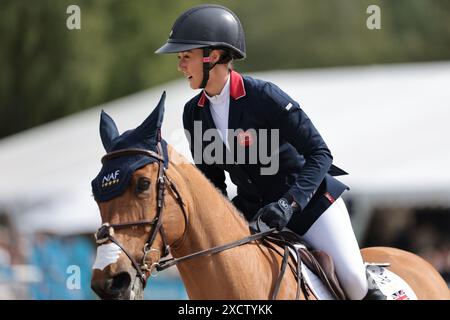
column 116, row 173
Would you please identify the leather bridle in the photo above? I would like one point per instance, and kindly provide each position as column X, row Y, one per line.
column 106, row 232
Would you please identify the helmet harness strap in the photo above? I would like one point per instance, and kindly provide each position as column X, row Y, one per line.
column 207, row 66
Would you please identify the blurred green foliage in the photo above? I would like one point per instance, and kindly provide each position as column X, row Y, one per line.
column 48, row 71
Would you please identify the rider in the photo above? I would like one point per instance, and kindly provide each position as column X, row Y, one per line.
column 302, row 194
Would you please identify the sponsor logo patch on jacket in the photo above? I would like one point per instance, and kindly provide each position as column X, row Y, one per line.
column 245, row 139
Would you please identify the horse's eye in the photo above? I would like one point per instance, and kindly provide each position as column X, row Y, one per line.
column 142, row 185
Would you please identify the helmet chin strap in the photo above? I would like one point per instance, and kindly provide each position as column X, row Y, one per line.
column 206, row 66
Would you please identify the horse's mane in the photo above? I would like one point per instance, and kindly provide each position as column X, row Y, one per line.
column 193, row 176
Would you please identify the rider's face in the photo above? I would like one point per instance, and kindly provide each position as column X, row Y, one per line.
column 190, row 63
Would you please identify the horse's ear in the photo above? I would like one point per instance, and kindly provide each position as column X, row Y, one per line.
column 150, row 127
column 160, row 110
column 108, row 130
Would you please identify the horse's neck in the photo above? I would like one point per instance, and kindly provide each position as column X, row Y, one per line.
column 234, row 273
column 212, row 219
column 215, row 220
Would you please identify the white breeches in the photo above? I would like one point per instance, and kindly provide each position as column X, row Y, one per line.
column 333, row 233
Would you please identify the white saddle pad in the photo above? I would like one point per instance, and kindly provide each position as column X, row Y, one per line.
column 314, row 283
column 390, row 284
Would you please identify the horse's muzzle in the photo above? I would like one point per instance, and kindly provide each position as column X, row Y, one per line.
column 122, row 286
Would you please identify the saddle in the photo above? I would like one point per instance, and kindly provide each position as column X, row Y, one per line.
column 319, row 262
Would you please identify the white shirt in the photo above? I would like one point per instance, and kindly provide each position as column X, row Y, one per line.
column 219, row 106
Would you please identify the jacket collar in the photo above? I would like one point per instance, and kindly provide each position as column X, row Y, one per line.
column 223, row 96
column 237, row 88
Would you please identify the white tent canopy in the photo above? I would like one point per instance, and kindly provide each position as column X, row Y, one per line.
column 387, row 125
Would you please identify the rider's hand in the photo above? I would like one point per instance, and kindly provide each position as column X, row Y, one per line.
column 276, row 214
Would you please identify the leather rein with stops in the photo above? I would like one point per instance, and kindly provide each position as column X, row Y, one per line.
column 106, row 232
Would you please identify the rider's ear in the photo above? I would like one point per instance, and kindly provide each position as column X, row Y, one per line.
column 215, row 55
column 108, row 130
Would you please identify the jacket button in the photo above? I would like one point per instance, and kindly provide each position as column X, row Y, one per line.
column 249, row 181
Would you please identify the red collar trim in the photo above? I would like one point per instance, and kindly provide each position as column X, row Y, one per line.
column 201, row 101
column 237, row 88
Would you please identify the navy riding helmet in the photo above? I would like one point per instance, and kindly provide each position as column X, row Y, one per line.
column 208, row 27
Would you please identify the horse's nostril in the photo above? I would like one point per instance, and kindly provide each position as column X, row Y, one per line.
column 120, row 281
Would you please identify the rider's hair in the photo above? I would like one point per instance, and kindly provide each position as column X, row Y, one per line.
column 226, row 56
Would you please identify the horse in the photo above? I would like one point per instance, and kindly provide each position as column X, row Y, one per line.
column 168, row 207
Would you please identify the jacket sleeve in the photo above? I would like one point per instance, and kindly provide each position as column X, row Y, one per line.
column 211, row 171
column 295, row 127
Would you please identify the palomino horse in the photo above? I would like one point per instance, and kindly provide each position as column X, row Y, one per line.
column 159, row 207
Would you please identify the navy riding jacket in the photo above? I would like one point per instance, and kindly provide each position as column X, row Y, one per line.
column 305, row 171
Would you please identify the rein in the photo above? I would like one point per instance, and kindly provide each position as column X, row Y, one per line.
column 106, row 232
column 268, row 236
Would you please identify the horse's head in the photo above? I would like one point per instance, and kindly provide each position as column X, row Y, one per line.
column 132, row 193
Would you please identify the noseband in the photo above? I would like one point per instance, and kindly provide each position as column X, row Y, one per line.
column 106, row 232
